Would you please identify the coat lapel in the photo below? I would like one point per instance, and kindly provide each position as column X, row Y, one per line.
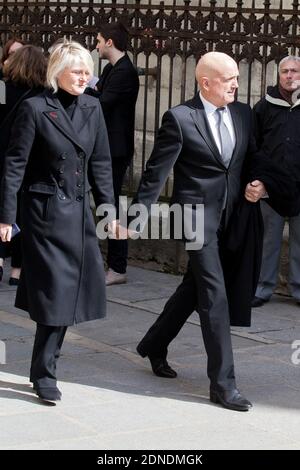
column 109, row 70
column 82, row 114
column 60, row 119
column 202, row 125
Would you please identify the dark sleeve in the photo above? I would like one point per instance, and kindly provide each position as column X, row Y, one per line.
column 100, row 168
column 15, row 160
column 166, row 150
column 120, row 84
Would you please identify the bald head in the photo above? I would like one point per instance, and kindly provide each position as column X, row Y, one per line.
column 217, row 74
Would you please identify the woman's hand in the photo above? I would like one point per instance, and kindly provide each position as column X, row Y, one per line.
column 5, row 232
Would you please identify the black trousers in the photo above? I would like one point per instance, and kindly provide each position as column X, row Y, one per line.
column 202, row 289
column 46, row 351
column 117, row 250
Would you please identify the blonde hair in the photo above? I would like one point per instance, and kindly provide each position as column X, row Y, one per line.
column 66, row 54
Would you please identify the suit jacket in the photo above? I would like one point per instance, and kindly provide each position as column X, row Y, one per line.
column 62, row 278
column 118, row 90
column 185, row 143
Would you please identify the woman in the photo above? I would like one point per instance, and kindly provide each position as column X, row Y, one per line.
column 25, row 76
column 11, row 46
column 59, row 139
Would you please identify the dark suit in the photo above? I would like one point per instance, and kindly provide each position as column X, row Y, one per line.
column 185, row 143
column 118, row 90
column 15, row 95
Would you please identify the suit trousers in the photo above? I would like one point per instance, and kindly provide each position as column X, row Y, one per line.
column 46, row 351
column 273, row 230
column 117, row 250
column 202, row 289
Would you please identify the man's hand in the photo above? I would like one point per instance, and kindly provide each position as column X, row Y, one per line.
column 5, row 232
column 254, row 191
column 118, row 232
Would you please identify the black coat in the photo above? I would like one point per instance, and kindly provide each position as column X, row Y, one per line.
column 278, row 138
column 15, row 95
column 242, row 243
column 241, row 253
column 62, row 280
column 118, row 90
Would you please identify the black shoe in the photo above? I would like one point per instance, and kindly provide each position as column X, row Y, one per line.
column 50, row 394
column 1, row 273
column 258, row 302
column 161, row 367
column 13, row 281
column 231, row 399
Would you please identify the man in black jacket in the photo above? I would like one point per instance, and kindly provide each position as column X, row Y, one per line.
column 118, row 90
column 205, row 142
column 277, row 119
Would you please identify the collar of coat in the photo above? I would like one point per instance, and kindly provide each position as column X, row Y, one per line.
column 273, row 96
column 72, row 129
column 199, row 117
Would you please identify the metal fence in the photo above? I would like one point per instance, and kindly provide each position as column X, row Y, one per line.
column 167, row 39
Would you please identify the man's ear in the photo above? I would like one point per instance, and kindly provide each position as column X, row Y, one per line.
column 204, row 83
column 109, row 43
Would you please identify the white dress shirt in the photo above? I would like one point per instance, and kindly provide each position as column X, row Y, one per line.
column 212, row 117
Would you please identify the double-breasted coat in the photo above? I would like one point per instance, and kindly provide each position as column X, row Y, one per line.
column 56, row 161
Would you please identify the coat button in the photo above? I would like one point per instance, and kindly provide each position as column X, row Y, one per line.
column 61, row 171
column 61, row 196
column 79, row 198
column 81, row 154
column 61, row 183
column 63, row 156
column 79, row 185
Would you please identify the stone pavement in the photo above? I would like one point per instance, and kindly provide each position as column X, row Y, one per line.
column 111, row 399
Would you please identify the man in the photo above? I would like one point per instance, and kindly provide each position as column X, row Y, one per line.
column 118, row 90
column 205, row 141
column 277, row 121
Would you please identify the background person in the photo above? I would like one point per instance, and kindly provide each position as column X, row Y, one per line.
column 277, row 124
column 25, row 77
column 118, row 90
